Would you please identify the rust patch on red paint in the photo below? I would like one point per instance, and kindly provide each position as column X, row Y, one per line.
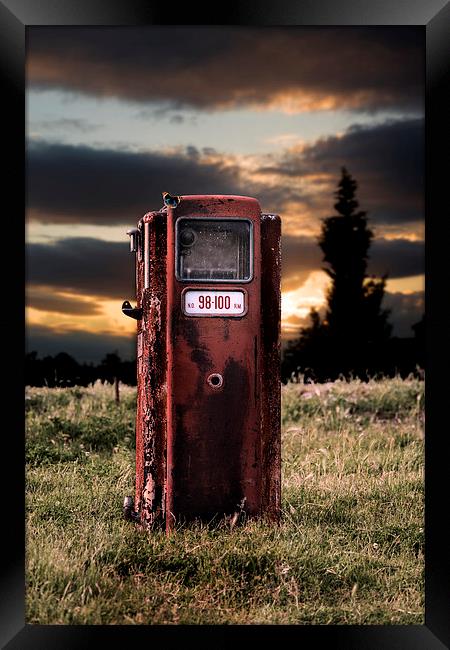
column 152, row 368
column 202, row 359
column 271, row 384
column 210, row 477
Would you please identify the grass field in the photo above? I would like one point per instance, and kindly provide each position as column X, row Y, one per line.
column 349, row 549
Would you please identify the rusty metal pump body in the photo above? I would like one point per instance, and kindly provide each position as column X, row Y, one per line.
column 208, row 377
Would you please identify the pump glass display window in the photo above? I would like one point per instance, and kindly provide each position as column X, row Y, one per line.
column 215, row 250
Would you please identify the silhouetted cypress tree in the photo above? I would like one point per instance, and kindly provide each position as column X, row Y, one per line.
column 354, row 316
column 351, row 335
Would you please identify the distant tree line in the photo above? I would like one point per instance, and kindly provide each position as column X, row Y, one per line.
column 353, row 338
column 63, row 370
column 397, row 356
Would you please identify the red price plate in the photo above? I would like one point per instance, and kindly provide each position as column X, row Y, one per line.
column 213, row 303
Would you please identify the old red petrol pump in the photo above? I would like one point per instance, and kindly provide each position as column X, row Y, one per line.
column 208, row 379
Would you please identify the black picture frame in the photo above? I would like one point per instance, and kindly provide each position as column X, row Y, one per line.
column 434, row 16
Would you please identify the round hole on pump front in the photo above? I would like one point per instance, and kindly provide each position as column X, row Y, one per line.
column 215, row 380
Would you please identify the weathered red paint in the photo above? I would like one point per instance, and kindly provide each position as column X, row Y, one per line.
column 151, row 424
column 204, row 451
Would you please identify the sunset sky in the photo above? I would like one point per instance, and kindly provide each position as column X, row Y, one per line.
column 116, row 116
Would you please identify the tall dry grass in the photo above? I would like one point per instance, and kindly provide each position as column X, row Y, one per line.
column 349, row 549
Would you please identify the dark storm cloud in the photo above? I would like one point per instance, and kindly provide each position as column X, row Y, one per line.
column 83, row 346
column 387, row 160
column 83, row 265
column 216, row 67
column 406, row 310
column 106, row 269
column 399, row 258
column 45, row 299
column 79, row 184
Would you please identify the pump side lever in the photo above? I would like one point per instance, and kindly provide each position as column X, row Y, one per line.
column 132, row 312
